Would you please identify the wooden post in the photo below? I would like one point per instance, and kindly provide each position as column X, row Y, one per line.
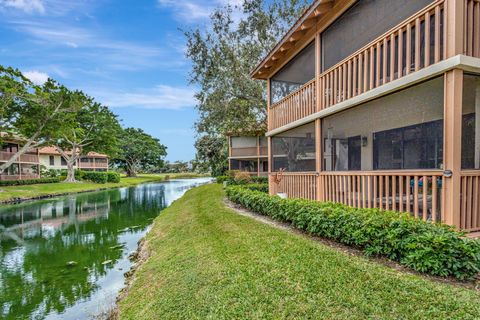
column 258, row 156
column 229, row 153
column 454, row 16
column 270, row 160
column 452, row 146
column 318, row 122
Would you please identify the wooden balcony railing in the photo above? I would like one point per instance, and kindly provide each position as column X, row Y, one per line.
column 244, row 152
column 472, row 28
column 264, row 151
column 415, row 44
column 296, row 185
column 18, row 177
column 295, row 106
column 30, row 158
column 93, row 165
column 418, row 192
column 470, row 201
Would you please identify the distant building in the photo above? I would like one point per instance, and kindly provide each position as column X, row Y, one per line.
column 25, row 167
column 248, row 153
column 51, row 159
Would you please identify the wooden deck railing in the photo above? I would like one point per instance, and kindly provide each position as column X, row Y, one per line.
column 30, row 158
column 471, row 28
column 93, row 165
column 470, row 201
column 18, row 177
column 296, row 185
column 418, row 192
column 263, row 151
column 395, row 54
column 244, row 152
column 295, row 106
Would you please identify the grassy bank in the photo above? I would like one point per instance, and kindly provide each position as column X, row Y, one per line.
column 209, row 262
column 52, row 189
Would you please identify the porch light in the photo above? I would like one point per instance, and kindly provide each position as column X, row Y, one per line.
column 364, row 141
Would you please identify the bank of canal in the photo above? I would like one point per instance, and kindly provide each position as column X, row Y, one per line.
column 66, row 257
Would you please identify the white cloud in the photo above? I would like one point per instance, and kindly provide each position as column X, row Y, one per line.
column 36, row 77
column 160, row 97
column 29, row 6
column 191, row 10
column 187, row 9
column 115, row 54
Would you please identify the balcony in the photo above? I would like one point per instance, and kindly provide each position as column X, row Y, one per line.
column 93, row 165
column 248, row 152
column 413, row 45
column 25, row 158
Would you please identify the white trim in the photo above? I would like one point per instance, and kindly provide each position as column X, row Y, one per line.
column 463, row 62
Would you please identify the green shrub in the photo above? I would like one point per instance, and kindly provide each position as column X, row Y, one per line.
column 28, row 181
column 113, row 177
column 95, row 176
column 260, row 180
column 222, row 179
column 435, row 249
column 262, row 187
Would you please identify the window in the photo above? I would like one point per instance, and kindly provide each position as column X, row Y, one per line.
column 419, row 146
column 63, row 161
column 84, row 160
column 361, row 24
column 403, row 130
column 294, row 150
column 471, row 122
column 294, row 74
column 9, row 147
column 52, row 160
column 244, row 165
column 100, row 160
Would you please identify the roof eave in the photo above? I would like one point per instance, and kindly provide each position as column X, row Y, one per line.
column 307, row 21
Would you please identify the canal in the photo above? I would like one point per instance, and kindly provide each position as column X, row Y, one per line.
column 65, row 258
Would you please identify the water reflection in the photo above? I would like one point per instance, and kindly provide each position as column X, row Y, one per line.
column 66, row 257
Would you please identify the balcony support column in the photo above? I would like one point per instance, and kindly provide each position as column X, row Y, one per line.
column 318, row 122
column 452, row 151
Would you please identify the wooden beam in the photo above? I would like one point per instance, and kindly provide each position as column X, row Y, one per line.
column 452, row 146
column 323, row 7
column 309, row 23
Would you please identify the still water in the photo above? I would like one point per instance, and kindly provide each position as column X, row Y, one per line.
column 65, row 258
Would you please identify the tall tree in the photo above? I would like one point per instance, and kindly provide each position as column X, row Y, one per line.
column 139, row 150
column 93, row 127
column 223, row 57
column 31, row 111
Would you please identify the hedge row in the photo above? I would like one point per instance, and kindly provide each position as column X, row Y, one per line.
column 435, row 249
column 98, row 176
column 28, row 181
column 231, row 180
column 261, row 187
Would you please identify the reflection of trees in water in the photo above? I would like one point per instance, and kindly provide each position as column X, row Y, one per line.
column 81, row 228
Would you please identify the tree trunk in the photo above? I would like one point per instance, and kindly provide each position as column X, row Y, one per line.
column 131, row 172
column 70, row 171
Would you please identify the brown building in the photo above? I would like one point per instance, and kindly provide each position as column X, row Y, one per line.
column 248, row 153
column 377, row 104
column 25, row 167
column 51, row 159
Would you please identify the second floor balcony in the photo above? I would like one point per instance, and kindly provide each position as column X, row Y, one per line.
column 415, row 44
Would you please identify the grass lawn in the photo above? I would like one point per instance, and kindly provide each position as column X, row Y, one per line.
column 37, row 190
column 208, row 262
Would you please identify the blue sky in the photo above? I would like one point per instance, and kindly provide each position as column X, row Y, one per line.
column 128, row 54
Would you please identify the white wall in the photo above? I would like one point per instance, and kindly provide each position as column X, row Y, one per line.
column 45, row 161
